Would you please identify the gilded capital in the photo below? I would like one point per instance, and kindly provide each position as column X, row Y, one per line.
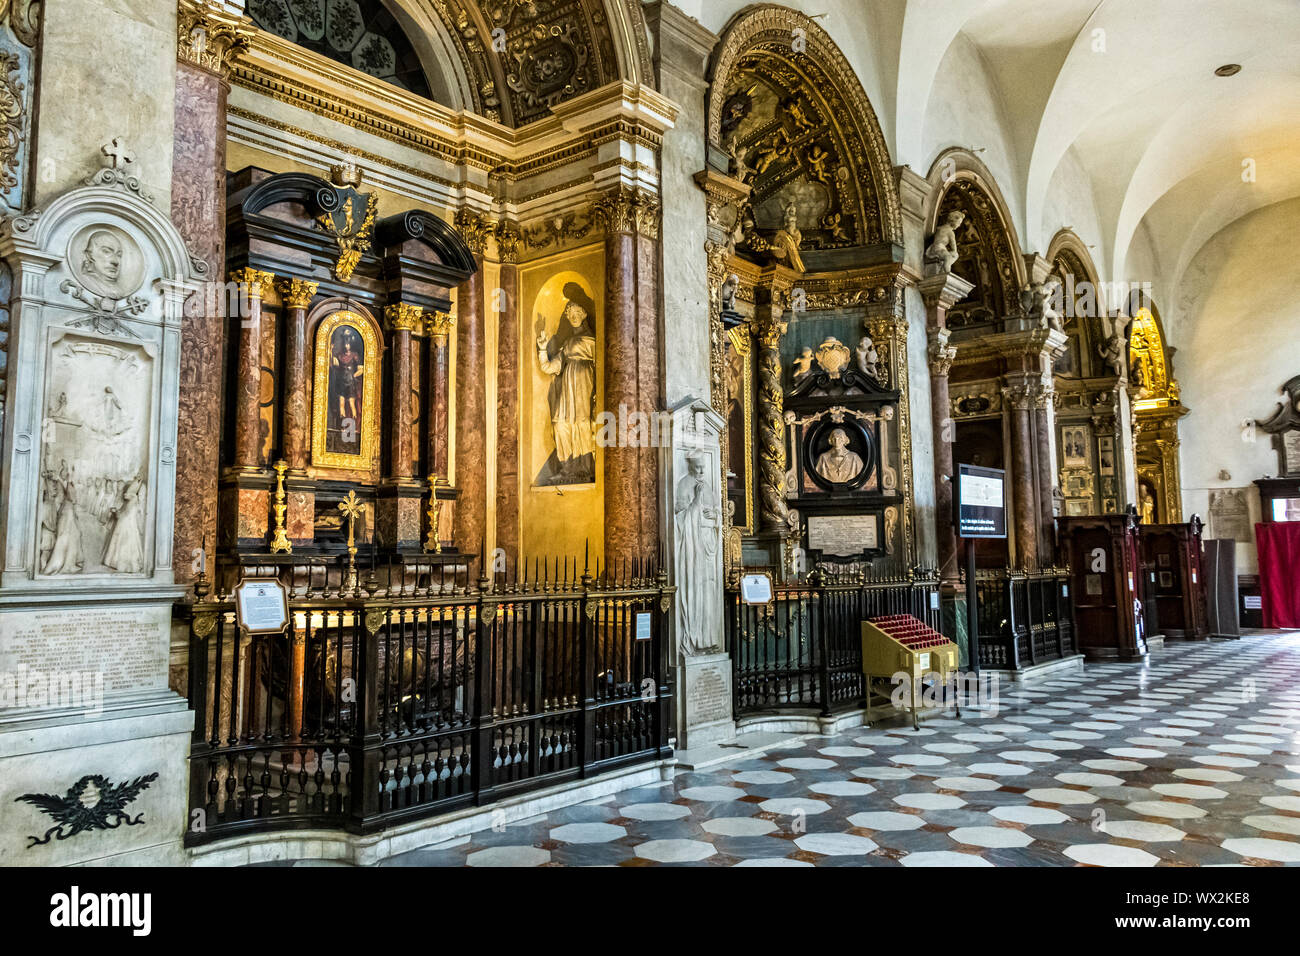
column 438, row 325
column 768, row 332
column 628, row 210
column 253, row 283
column 404, row 317
column 508, row 241
column 209, row 37
column 475, row 229
column 297, row 293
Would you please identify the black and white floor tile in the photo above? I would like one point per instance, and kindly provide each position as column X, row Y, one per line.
column 1191, row 758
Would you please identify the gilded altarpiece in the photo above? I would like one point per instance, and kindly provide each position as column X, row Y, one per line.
column 1156, row 411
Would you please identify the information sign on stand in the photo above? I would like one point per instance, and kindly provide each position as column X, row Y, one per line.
column 261, row 606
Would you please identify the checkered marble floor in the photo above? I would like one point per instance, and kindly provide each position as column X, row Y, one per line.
column 1191, row 758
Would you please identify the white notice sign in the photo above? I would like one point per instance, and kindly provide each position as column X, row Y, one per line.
column 842, row 535
column 756, row 589
column 262, row 606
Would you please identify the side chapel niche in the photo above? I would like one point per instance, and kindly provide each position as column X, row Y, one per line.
column 809, row 341
column 336, row 425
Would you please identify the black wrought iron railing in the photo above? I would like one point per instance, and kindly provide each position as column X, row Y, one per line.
column 804, row 650
column 1024, row 617
column 383, row 706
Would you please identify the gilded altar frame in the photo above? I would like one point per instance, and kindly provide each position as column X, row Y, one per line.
column 372, row 365
column 740, row 341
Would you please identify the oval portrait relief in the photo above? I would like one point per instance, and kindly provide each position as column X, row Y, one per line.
column 106, row 261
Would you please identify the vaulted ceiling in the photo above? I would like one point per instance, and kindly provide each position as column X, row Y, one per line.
column 1127, row 90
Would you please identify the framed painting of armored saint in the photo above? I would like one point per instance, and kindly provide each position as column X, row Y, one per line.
column 345, row 392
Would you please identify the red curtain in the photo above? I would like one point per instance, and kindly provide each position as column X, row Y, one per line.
column 1279, row 572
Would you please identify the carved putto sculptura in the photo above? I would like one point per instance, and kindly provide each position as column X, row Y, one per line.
column 941, row 253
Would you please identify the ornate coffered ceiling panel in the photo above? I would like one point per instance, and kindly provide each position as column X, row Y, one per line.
column 521, row 57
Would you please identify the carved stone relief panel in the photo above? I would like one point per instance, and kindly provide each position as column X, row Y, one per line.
column 100, row 279
column 94, row 470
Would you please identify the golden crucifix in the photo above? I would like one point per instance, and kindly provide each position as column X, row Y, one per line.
column 352, row 509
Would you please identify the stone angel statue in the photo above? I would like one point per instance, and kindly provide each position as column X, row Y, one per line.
column 941, row 253
column 1114, row 341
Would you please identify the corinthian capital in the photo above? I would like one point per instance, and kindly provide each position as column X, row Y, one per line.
column 209, row 37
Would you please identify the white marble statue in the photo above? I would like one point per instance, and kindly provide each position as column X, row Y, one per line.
column 867, row 357
column 1039, row 302
column 697, row 523
column 941, row 253
column 728, row 295
column 838, row 463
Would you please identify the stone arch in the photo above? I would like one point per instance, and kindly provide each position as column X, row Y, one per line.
column 992, row 261
column 1073, row 265
column 549, row 56
column 757, row 48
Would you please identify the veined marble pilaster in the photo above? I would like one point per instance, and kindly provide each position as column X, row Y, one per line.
column 208, row 42
column 471, row 404
column 507, row 318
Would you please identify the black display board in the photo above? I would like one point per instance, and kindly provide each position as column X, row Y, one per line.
column 981, row 496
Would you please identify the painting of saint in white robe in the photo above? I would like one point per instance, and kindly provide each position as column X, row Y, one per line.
column 569, row 358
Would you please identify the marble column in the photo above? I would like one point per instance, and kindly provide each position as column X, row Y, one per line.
column 1017, row 397
column 403, row 320
column 402, row 492
column 471, row 396
column 940, row 293
column 769, row 326
column 198, row 207
column 617, row 213
column 649, row 373
column 507, row 503
column 252, row 284
column 296, row 296
column 1044, row 395
column 295, row 413
column 438, row 326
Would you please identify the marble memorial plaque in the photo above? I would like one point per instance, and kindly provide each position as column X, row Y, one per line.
column 1230, row 514
column 842, row 535
column 127, row 645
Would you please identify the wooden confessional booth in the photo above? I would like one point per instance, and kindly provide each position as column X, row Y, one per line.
column 335, row 425
column 1173, row 569
column 1104, row 555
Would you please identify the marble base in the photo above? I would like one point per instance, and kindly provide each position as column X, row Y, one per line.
column 1066, row 665
column 148, row 735
column 372, row 848
column 704, row 700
